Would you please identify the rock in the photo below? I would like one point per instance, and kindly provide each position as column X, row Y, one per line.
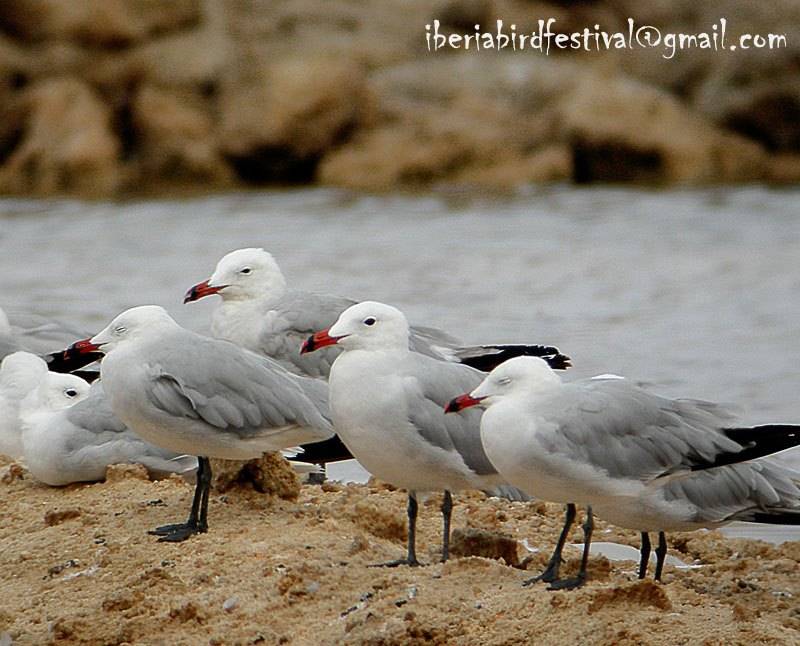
column 622, row 130
column 173, row 136
column 271, row 474
column 67, row 145
column 104, row 23
column 479, row 542
column 278, row 120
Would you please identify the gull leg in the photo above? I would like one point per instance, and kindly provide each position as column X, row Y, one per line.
column 645, row 552
column 580, row 579
column 411, row 559
column 197, row 522
column 661, row 554
column 447, row 510
column 550, row 573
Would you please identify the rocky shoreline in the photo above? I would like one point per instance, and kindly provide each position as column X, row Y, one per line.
column 131, row 97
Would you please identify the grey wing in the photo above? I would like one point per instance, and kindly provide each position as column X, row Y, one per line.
column 231, row 388
column 430, row 386
column 615, row 426
column 737, row 491
column 292, row 320
column 99, row 438
column 94, row 413
column 434, row 343
column 43, row 335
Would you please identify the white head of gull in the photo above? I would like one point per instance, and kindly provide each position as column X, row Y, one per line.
column 69, row 434
column 386, row 402
column 200, row 396
column 640, row 461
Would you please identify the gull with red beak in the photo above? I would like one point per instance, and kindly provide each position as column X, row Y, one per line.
column 638, row 460
column 386, row 404
column 261, row 313
column 200, row 396
column 69, row 434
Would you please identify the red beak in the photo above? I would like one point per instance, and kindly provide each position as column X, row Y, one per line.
column 81, row 347
column 200, row 290
column 461, row 402
column 319, row 340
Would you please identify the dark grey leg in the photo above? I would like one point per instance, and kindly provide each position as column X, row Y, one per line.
column 197, row 523
column 447, row 510
column 550, row 573
column 580, row 579
column 661, row 554
column 645, row 552
column 411, row 558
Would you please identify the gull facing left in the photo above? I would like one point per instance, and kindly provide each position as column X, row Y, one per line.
column 386, row 403
column 200, row 396
column 640, row 461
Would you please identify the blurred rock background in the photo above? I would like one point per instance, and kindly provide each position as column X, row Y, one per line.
column 128, row 97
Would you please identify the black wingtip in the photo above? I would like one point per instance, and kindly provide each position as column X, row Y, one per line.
column 788, row 517
column 497, row 354
column 757, row 442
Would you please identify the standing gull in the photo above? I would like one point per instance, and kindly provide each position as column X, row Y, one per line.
column 261, row 313
column 200, row 396
column 386, row 404
column 640, row 461
column 69, row 434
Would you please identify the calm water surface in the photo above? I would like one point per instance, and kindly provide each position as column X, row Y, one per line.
column 694, row 293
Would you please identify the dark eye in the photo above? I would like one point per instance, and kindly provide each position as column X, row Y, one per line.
column 245, row 270
column 70, row 392
column 120, row 329
column 369, row 321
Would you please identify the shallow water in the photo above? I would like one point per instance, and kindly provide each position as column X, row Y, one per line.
column 695, row 293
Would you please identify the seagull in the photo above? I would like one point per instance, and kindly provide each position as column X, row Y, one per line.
column 195, row 395
column 261, row 313
column 20, row 373
column 638, row 460
column 69, row 434
column 386, row 403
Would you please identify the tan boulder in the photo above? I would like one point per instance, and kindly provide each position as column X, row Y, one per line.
column 104, row 23
column 284, row 116
column 66, row 143
column 174, row 137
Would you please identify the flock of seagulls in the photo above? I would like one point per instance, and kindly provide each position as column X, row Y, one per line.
column 286, row 368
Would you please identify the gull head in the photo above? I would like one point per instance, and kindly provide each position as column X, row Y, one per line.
column 56, row 392
column 517, row 376
column 131, row 325
column 364, row 326
column 243, row 274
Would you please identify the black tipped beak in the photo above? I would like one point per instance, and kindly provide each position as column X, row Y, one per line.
column 461, row 402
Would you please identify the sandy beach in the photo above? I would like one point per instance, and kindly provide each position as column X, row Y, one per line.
column 79, row 568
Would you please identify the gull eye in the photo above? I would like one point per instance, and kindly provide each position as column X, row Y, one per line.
column 245, row 270
column 370, row 321
column 504, row 381
column 70, row 392
column 120, row 329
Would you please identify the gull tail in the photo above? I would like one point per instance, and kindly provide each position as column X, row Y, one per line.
column 758, row 441
column 488, row 357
